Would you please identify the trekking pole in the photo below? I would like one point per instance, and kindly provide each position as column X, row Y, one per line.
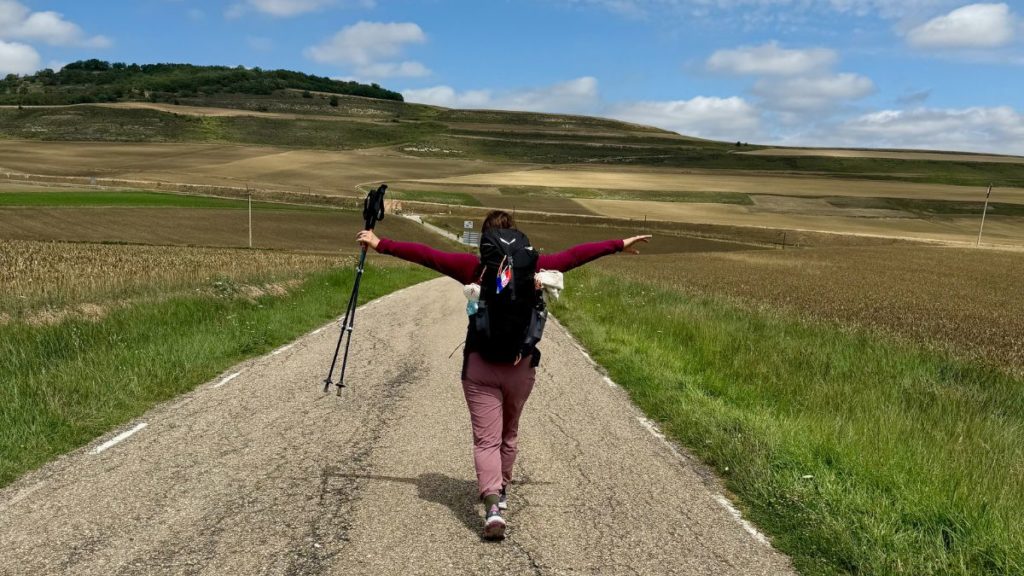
column 373, row 212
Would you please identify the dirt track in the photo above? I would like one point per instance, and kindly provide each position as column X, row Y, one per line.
column 264, row 474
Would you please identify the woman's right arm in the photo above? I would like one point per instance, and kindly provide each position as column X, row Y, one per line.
column 458, row 265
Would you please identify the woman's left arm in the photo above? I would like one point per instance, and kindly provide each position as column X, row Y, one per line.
column 583, row 253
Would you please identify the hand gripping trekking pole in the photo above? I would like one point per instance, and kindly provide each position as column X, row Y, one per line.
column 373, row 212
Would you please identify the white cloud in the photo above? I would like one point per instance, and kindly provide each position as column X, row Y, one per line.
column 367, row 42
column 407, row 69
column 706, row 117
column 972, row 26
column 812, row 93
column 977, row 129
column 288, row 8
column 18, row 22
column 447, row 96
column 771, row 59
column 371, row 47
column 18, row 58
column 577, row 96
column 574, row 96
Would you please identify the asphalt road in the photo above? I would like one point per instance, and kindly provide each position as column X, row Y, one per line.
column 264, row 474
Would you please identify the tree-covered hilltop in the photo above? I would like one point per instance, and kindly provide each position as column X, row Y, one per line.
column 88, row 81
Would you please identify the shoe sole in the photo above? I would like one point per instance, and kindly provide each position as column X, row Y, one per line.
column 494, row 529
column 502, row 505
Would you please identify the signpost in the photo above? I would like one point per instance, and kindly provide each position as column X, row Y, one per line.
column 469, row 237
column 250, row 219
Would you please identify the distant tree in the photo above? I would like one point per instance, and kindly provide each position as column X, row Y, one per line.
column 334, row 101
column 98, row 80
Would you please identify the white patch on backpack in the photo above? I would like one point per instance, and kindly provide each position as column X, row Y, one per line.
column 509, row 242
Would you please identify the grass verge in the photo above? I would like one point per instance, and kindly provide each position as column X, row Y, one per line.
column 857, row 454
column 65, row 384
column 138, row 199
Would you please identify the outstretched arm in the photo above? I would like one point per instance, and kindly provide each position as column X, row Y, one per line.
column 583, row 253
column 458, row 265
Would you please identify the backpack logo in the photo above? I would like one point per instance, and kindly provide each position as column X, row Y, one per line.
column 509, row 242
column 504, row 278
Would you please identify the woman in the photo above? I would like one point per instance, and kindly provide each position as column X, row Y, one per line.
column 495, row 392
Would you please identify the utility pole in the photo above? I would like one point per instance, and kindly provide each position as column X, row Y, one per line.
column 984, row 212
column 249, row 194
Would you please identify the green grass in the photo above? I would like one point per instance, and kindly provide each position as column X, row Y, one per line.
column 65, row 384
column 439, row 197
column 134, row 199
column 856, row 453
column 648, row 195
column 97, row 123
column 929, row 207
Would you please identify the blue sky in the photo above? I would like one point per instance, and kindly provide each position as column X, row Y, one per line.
column 938, row 74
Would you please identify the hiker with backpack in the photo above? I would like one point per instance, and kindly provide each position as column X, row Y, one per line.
column 505, row 324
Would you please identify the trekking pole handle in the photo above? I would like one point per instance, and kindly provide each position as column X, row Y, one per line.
column 373, row 207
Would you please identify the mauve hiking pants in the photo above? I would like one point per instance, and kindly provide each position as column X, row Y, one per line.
column 495, row 394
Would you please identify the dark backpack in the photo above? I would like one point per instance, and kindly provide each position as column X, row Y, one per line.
column 510, row 316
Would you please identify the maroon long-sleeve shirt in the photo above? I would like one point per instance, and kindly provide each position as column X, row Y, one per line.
column 465, row 267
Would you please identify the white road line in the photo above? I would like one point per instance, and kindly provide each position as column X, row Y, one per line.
column 116, row 439
column 724, row 503
column 226, row 380
column 282, row 349
column 21, row 496
column 611, row 383
column 722, row 500
column 653, row 429
column 317, row 331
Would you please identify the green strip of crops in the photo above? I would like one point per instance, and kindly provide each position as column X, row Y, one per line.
column 134, row 199
column 455, row 198
column 63, row 385
column 856, row 453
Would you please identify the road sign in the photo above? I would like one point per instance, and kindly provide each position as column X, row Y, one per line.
column 467, row 224
column 471, row 238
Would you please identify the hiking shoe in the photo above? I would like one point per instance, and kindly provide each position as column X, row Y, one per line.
column 503, row 500
column 494, row 524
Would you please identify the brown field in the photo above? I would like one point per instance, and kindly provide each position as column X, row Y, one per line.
column 330, row 172
column 893, row 154
column 815, row 215
column 44, row 279
column 552, row 237
column 967, row 301
column 696, row 181
column 330, row 232
column 780, row 202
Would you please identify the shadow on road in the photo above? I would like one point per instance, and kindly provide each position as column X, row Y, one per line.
column 457, row 494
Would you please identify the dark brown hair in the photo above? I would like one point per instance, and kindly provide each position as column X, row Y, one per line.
column 498, row 219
